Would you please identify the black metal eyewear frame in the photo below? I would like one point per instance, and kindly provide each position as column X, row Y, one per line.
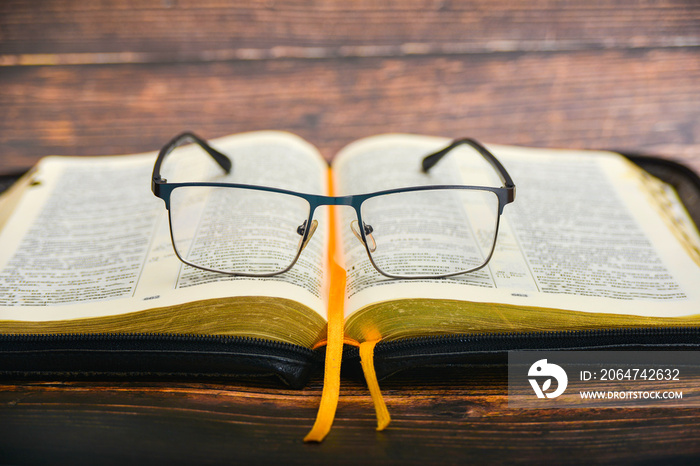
column 163, row 189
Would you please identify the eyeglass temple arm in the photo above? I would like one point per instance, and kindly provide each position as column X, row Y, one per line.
column 431, row 160
column 184, row 138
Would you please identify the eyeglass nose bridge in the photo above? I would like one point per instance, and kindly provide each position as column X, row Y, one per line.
column 352, row 201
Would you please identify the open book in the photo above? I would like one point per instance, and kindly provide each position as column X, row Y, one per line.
column 89, row 280
column 591, row 242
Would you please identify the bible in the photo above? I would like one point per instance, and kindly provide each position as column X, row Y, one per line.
column 594, row 252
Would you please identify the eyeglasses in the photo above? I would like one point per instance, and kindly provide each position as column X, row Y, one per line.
column 430, row 231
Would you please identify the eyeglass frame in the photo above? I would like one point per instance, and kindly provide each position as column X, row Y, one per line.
column 163, row 189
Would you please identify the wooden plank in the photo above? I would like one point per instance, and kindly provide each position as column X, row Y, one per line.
column 454, row 415
column 640, row 100
column 72, row 31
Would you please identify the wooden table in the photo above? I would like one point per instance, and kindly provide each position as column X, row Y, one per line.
column 124, row 77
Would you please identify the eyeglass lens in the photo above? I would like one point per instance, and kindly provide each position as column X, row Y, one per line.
column 431, row 232
column 237, row 230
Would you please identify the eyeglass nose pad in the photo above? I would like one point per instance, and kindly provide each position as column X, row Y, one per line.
column 355, row 227
column 302, row 229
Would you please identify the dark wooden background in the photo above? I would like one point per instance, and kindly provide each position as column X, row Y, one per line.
column 120, row 76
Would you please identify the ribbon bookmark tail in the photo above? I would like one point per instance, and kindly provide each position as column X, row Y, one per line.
column 334, row 345
column 334, row 356
column 367, row 361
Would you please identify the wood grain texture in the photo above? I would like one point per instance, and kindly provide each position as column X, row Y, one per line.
column 156, row 30
column 450, row 416
column 641, row 100
column 619, row 75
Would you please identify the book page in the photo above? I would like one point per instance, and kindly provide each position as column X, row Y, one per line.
column 581, row 235
column 89, row 231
